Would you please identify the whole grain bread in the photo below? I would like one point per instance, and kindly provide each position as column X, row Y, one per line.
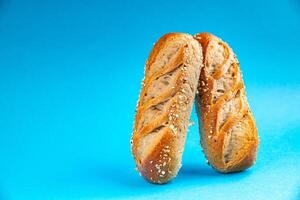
column 227, row 128
column 164, row 106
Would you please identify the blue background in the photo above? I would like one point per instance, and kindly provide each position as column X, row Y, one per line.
column 70, row 74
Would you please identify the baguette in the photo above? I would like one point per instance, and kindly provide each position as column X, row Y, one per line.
column 164, row 106
column 227, row 128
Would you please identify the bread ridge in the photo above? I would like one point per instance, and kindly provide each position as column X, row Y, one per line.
column 228, row 132
column 164, row 133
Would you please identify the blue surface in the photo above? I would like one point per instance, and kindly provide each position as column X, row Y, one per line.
column 70, row 75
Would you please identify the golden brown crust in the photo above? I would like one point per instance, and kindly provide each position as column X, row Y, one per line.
column 228, row 131
column 164, row 106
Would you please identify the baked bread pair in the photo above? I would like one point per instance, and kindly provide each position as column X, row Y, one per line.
column 182, row 68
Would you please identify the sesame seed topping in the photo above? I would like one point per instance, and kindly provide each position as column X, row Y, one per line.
column 173, row 128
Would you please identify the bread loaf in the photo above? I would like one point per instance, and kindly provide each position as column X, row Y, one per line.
column 228, row 132
column 164, row 106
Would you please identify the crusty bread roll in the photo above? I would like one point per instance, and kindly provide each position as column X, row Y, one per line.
column 164, row 106
column 228, row 131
